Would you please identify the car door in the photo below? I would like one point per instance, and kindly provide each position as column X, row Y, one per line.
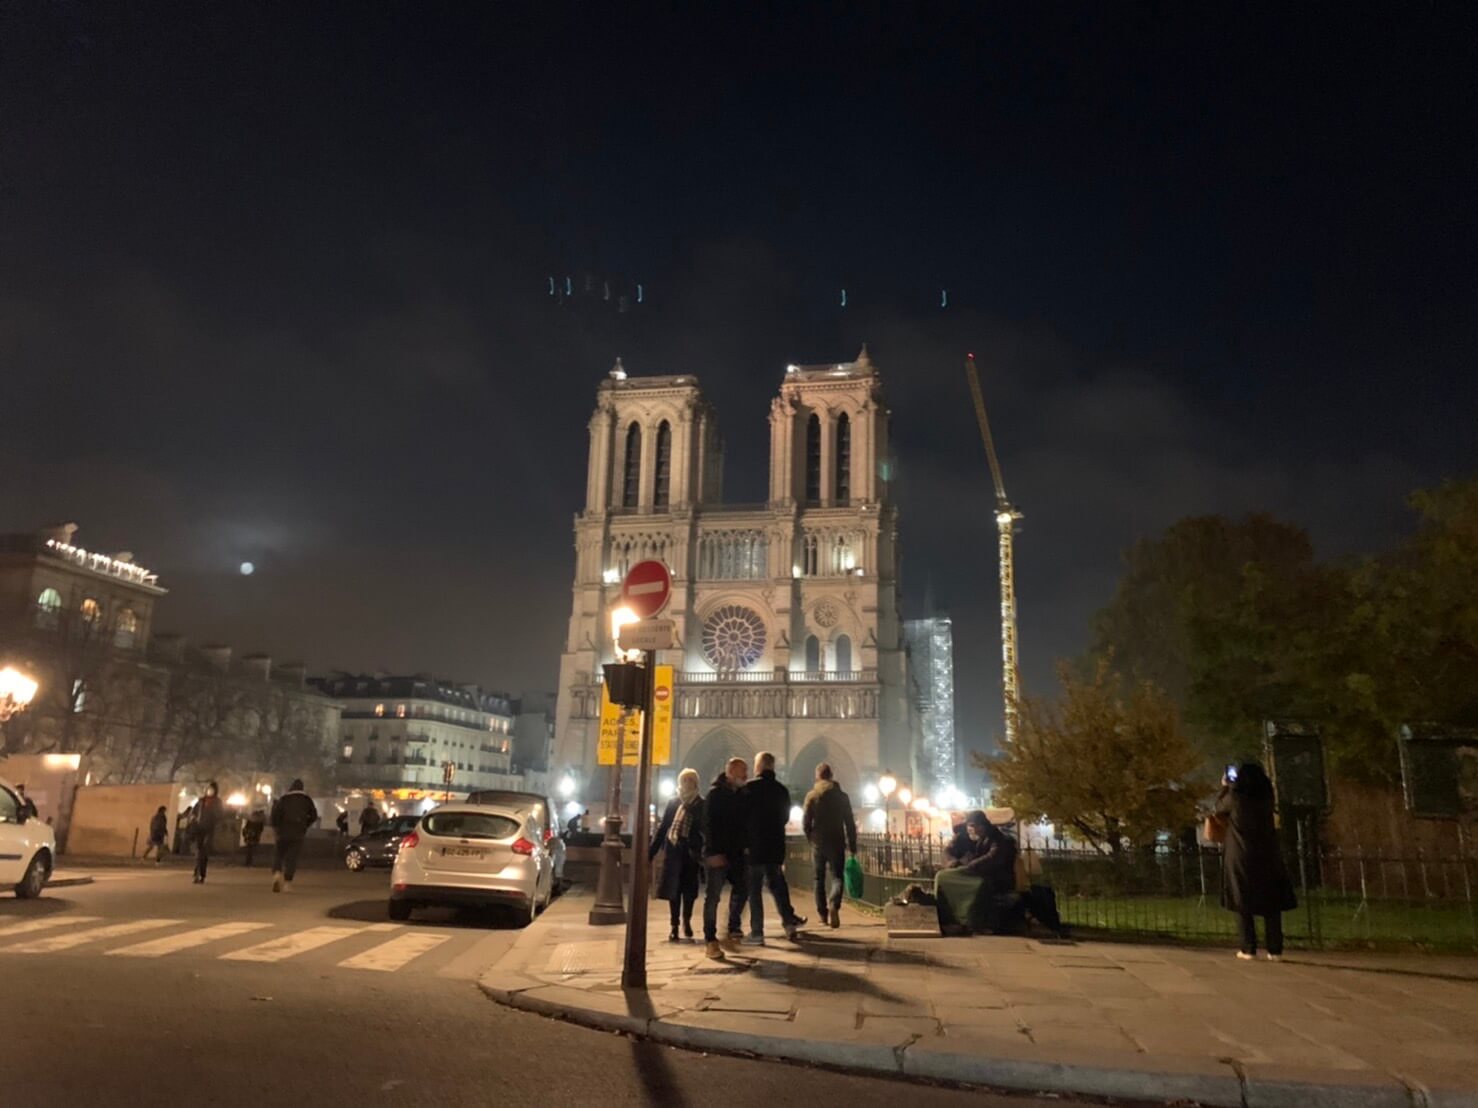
column 15, row 843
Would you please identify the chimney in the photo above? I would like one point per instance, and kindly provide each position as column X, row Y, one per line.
column 294, row 673
column 258, row 665
column 218, row 655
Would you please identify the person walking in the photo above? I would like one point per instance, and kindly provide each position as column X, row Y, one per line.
column 831, row 829
column 251, row 834
column 680, row 838
column 724, row 831
column 292, row 815
column 341, row 823
column 158, row 832
column 1254, row 879
column 369, row 819
column 203, row 827
column 767, row 807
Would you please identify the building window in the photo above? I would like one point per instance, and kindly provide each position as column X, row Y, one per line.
column 813, row 460
column 48, row 608
column 379, row 709
column 348, row 751
column 631, row 483
column 813, row 654
column 664, row 464
column 844, row 459
column 127, row 631
column 843, row 654
column 400, row 711
column 92, row 611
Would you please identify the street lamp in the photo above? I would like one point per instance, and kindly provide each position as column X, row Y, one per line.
column 886, row 784
column 620, row 617
column 870, row 793
column 16, row 691
column 567, row 786
column 905, row 797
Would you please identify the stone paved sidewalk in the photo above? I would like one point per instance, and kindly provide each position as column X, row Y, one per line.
column 1152, row 1023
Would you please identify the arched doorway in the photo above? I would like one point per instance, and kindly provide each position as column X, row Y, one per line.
column 801, row 773
column 711, row 753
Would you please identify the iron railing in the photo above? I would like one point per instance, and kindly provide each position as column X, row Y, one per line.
column 1173, row 891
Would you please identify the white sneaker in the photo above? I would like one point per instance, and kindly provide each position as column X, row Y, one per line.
column 1275, row 957
column 1243, row 956
column 287, row 886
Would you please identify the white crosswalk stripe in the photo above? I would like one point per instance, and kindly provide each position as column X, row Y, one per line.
column 185, row 940
column 44, row 924
column 390, row 956
column 300, row 942
column 89, row 935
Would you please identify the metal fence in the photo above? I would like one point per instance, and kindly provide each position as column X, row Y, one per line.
column 1173, row 891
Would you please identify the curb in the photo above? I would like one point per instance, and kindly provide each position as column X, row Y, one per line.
column 69, row 882
column 1233, row 1088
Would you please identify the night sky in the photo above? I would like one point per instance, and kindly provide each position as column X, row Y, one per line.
column 274, row 287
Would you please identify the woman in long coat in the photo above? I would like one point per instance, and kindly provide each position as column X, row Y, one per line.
column 1254, row 879
column 680, row 838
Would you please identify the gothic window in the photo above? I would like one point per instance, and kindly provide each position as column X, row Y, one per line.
column 631, row 485
column 844, row 459
column 48, row 608
column 92, row 611
column 733, row 638
column 841, row 556
column 813, row 460
column 125, row 634
column 843, row 654
column 810, row 563
column 813, row 654
column 664, row 464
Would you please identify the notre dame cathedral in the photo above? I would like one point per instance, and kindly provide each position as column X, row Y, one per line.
column 787, row 612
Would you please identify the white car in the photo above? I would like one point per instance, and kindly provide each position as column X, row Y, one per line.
column 474, row 855
column 27, row 846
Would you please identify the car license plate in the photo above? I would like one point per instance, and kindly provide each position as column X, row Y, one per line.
column 461, row 852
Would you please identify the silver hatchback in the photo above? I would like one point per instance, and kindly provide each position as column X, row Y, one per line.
column 474, row 855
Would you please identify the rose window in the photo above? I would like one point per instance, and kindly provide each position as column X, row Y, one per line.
column 733, row 638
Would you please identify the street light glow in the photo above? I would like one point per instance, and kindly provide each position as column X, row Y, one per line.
column 886, row 784
column 16, row 691
column 870, row 793
column 567, row 786
column 668, row 788
column 905, row 797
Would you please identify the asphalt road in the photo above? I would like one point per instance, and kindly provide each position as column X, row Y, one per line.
column 143, row 989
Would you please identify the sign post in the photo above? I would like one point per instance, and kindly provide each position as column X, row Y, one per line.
column 646, row 591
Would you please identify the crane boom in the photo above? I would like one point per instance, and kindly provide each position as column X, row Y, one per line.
column 1006, row 517
column 990, row 443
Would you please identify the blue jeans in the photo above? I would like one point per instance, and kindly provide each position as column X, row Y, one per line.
column 828, row 866
column 773, row 875
column 716, row 876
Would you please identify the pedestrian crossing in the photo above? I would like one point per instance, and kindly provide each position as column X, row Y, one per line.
column 391, row 946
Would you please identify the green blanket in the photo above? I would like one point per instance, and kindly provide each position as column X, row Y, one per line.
column 964, row 901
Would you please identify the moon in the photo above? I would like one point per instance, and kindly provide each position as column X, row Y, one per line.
column 247, row 569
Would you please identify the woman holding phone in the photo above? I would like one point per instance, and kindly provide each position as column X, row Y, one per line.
column 1254, row 880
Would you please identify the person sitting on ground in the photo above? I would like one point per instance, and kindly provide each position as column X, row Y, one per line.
column 967, row 888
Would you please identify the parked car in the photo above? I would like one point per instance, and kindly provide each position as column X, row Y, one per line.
column 378, row 847
column 548, row 822
column 474, row 855
column 27, row 846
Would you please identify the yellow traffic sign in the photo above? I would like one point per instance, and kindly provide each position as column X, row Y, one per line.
column 610, row 726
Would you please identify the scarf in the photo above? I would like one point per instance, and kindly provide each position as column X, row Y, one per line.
column 677, row 834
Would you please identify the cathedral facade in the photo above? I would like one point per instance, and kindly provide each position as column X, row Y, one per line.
column 787, row 612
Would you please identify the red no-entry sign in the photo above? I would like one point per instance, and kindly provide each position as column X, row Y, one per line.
column 647, row 588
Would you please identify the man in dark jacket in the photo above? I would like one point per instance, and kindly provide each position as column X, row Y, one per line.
column 292, row 815
column 251, row 834
column 724, row 832
column 832, row 831
column 768, row 804
column 369, row 818
column 158, row 833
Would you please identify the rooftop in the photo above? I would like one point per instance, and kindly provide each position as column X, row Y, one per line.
column 55, row 542
column 420, row 686
column 829, row 371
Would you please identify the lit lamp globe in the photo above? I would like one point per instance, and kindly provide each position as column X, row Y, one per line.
column 905, row 797
column 16, row 691
column 870, row 793
column 921, row 804
column 886, row 784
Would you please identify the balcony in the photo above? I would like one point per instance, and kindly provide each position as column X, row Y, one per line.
column 778, row 677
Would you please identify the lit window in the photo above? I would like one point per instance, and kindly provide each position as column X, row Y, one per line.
column 400, row 711
column 379, row 709
column 48, row 608
column 127, row 631
column 348, row 751
column 92, row 611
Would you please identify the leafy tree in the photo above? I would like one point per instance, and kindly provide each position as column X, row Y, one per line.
column 1109, row 760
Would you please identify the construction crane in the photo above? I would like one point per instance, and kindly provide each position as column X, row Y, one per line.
column 1006, row 517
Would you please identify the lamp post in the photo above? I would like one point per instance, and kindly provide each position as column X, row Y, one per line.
column 16, row 692
column 887, row 783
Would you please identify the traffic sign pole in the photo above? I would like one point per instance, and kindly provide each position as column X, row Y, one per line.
column 634, row 972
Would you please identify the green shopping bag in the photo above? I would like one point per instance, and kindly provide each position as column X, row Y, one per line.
column 853, row 873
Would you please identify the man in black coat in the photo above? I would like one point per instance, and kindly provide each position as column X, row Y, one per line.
column 1255, row 881
column 725, row 828
column 769, row 811
column 832, row 831
column 292, row 815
